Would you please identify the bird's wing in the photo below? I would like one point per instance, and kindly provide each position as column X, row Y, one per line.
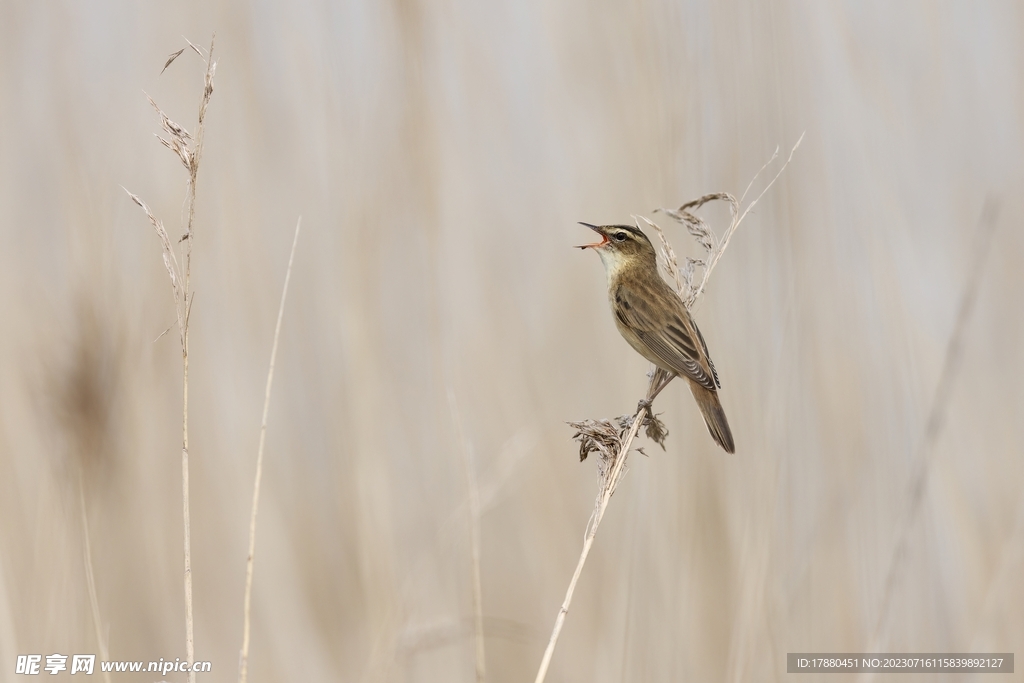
column 673, row 339
column 711, row 364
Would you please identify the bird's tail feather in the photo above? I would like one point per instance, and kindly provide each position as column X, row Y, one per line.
column 714, row 416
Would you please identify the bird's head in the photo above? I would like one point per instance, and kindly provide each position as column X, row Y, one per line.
column 622, row 247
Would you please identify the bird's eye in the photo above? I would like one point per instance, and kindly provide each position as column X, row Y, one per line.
column 620, row 237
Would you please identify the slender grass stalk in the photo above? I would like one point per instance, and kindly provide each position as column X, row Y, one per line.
column 188, row 298
column 588, row 541
column 243, row 659
column 659, row 380
column 189, row 150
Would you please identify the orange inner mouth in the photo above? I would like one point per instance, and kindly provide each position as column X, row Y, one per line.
column 604, row 241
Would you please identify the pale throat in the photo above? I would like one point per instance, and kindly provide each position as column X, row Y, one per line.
column 613, row 262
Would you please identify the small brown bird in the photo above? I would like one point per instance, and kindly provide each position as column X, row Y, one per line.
column 653, row 319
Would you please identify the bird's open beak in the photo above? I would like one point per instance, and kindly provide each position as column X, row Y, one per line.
column 599, row 231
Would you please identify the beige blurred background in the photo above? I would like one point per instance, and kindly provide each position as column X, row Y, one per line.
column 440, row 154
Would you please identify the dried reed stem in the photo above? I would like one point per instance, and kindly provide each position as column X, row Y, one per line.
column 189, row 151
column 473, row 495
column 608, row 486
column 609, row 481
column 599, row 435
column 714, row 246
column 937, row 413
column 191, row 199
column 243, row 658
column 736, row 223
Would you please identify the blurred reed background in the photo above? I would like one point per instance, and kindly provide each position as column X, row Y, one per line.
column 440, row 155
